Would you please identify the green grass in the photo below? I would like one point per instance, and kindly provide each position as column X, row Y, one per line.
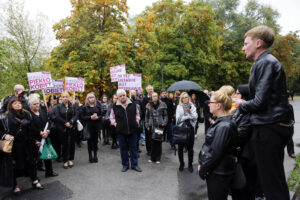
column 294, row 179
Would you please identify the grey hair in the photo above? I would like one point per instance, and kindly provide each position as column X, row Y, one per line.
column 33, row 100
column 120, row 91
column 18, row 87
column 149, row 87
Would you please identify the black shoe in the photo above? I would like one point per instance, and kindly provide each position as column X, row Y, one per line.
column 139, row 151
column 113, row 146
column 41, row 169
column 41, row 187
column 181, row 166
column 52, row 174
column 137, row 169
column 124, row 169
column 190, row 168
column 16, row 190
column 95, row 159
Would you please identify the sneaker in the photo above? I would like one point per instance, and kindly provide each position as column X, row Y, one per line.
column 157, row 162
column 149, row 161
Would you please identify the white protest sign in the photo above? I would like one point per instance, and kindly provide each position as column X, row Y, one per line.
column 58, row 87
column 130, row 81
column 39, row 80
column 116, row 71
column 74, row 84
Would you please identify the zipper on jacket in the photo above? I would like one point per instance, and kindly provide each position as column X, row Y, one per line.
column 127, row 121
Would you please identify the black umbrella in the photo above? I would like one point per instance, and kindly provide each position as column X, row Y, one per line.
column 184, row 85
column 201, row 96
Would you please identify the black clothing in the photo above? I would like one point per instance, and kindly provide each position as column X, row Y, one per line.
column 207, row 115
column 145, row 101
column 268, row 95
column 190, row 148
column 218, row 186
column 216, row 155
column 66, row 136
column 126, row 119
column 93, row 126
column 111, row 128
column 170, row 108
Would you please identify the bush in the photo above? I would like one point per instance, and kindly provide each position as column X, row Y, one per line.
column 294, row 179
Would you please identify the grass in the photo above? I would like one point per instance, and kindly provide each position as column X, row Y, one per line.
column 294, row 179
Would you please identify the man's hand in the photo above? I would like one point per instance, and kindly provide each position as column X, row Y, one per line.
column 9, row 137
column 68, row 125
column 199, row 167
column 115, row 124
column 38, row 144
column 238, row 101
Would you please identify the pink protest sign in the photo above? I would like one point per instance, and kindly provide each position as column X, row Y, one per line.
column 116, row 71
column 58, row 87
column 39, row 80
column 74, row 84
column 130, row 81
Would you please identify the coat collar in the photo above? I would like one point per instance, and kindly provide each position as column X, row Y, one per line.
column 128, row 101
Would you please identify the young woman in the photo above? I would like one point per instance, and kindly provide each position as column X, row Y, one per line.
column 156, row 118
column 111, row 128
column 92, row 115
column 38, row 123
column 186, row 114
column 65, row 118
column 216, row 160
column 24, row 146
column 104, row 108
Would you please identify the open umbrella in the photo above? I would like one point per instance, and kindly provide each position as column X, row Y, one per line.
column 184, row 85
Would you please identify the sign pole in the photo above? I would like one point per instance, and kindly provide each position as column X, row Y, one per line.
column 44, row 97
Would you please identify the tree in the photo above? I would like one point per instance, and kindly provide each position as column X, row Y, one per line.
column 92, row 39
column 22, row 47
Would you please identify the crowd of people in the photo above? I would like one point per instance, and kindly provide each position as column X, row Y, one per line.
column 246, row 128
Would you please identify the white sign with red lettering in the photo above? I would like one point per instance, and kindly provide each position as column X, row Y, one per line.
column 130, row 81
column 74, row 84
column 39, row 80
column 116, row 71
column 58, row 87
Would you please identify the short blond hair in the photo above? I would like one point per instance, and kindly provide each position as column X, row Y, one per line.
column 264, row 33
column 222, row 97
column 228, row 89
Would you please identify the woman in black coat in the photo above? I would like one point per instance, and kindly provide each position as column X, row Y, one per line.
column 24, row 146
column 37, row 126
column 216, row 158
column 65, row 118
column 92, row 116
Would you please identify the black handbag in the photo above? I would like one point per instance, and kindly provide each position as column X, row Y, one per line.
column 157, row 134
column 181, row 133
column 86, row 133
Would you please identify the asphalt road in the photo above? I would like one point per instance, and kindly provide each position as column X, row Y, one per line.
column 104, row 180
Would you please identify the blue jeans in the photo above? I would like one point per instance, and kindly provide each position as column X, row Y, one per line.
column 142, row 136
column 169, row 129
column 125, row 142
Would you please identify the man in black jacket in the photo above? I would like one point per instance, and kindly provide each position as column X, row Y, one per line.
column 170, row 110
column 125, row 117
column 268, row 106
column 19, row 91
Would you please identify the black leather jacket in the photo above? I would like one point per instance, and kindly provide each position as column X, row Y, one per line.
column 268, row 94
column 216, row 155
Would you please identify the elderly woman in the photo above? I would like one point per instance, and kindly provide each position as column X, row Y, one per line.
column 186, row 115
column 38, row 123
column 24, row 146
column 65, row 118
column 91, row 114
column 156, row 118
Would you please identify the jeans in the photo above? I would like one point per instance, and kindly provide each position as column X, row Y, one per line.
column 169, row 129
column 125, row 142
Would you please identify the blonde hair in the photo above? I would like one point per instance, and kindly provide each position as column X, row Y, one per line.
column 181, row 97
column 228, row 89
column 65, row 93
column 264, row 33
column 222, row 97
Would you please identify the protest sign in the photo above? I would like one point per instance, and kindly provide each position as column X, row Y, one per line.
column 130, row 81
column 39, row 80
column 58, row 87
column 74, row 84
column 116, row 71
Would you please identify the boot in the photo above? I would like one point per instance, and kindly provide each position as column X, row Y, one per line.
column 90, row 156
column 190, row 167
column 95, row 157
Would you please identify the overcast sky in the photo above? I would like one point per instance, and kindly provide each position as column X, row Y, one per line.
column 57, row 9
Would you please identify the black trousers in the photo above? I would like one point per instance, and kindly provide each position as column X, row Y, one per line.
column 113, row 134
column 56, row 141
column 68, row 140
column 190, row 149
column 218, row 186
column 93, row 141
column 156, row 150
column 269, row 143
column 290, row 145
column 148, row 136
column 48, row 166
